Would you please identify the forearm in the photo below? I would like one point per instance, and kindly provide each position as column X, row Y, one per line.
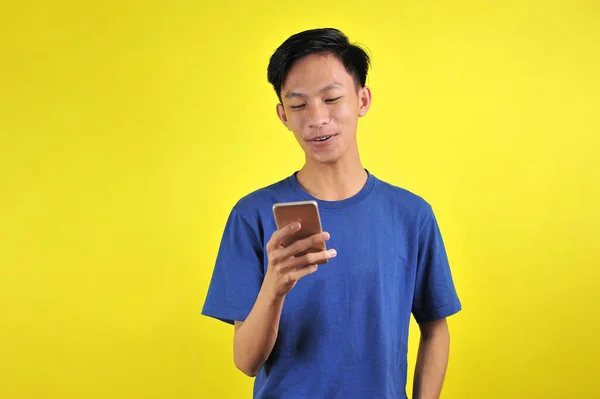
column 432, row 362
column 255, row 338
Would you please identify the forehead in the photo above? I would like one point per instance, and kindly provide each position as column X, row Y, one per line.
column 316, row 71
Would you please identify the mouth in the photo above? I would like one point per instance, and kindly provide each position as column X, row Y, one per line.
column 322, row 139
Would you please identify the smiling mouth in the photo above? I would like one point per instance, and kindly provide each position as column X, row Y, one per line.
column 323, row 138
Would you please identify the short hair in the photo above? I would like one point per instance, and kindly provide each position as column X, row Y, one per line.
column 317, row 41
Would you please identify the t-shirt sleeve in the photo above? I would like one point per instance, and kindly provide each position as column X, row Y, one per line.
column 435, row 295
column 238, row 272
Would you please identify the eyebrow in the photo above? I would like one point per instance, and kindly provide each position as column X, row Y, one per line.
column 292, row 94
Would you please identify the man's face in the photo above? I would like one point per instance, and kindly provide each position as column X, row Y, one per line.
column 321, row 106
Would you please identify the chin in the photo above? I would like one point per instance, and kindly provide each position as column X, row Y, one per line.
column 326, row 159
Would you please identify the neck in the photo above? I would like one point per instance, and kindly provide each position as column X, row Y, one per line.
column 333, row 182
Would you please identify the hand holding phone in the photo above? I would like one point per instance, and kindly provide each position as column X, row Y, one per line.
column 307, row 214
column 297, row 247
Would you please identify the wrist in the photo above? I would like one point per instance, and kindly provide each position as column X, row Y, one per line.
column 269, row 296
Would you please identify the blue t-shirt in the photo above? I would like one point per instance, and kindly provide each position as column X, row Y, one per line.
column 343, row 331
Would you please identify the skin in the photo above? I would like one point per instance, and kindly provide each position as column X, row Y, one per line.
column 320, row 98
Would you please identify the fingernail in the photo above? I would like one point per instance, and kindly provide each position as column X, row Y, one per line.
column 295, row 226
column 325, row 235
column 332, row 253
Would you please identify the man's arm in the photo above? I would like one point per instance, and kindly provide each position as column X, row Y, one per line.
column 432, row 359
column 255, row 337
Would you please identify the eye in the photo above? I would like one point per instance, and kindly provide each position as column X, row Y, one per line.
column 332, row 100
column 296, row 107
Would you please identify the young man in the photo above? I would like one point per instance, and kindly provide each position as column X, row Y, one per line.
column 339, row 331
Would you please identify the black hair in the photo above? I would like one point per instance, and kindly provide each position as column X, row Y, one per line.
column 317, row 41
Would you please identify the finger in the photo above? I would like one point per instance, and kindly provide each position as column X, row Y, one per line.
column 314, row 241
column 308, row 259
column 300, row 272
column 279, row 235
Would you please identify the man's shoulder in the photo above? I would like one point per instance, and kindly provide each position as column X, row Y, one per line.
column 261, row 199
column 403, row 197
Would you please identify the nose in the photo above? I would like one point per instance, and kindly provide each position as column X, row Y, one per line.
column 318, row 116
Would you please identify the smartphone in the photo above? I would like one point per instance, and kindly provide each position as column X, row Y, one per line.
column 307, row 214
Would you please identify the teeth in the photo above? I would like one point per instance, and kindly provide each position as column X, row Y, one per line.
column 323, row 138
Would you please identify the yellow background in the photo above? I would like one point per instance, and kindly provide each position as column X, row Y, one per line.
column 129, row 129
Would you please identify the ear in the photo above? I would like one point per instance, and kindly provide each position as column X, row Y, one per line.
column 282, row 116
column 364, row 100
